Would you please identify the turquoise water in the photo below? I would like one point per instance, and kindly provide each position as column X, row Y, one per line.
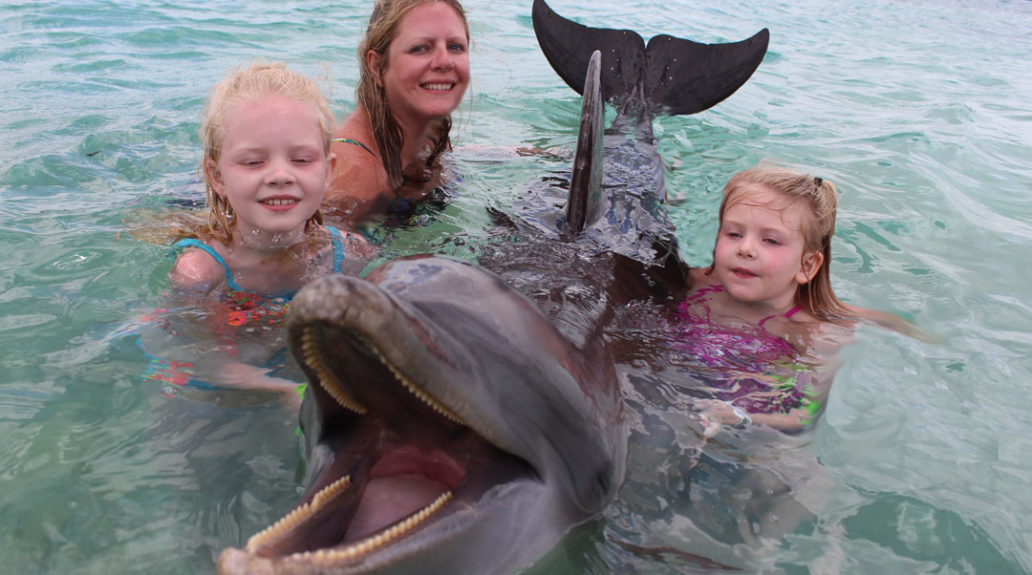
column 920, row 111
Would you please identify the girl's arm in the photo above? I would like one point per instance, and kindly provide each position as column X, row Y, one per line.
column 816, row 385
column 193, row 333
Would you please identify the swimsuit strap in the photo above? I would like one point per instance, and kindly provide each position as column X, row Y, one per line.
column 195, row 243
column 697, row 296
column 786, row 315
column 337, row 239
column 355, row 142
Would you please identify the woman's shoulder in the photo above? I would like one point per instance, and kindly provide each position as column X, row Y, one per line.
column 354, row 142
column 359, row 175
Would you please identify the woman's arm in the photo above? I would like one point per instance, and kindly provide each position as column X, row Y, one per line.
column 359, row 186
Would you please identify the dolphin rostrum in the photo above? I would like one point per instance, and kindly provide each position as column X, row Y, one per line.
column 461, row 418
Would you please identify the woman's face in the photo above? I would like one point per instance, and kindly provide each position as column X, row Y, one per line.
column 426, row 69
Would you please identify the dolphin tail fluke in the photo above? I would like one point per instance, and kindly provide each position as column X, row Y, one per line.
column 568, row 46
column 586, row 180
column 685, row 77
column 676, row 76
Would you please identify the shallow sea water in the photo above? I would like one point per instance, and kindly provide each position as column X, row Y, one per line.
column 920, row 111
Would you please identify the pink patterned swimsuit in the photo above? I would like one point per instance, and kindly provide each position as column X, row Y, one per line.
column 731, row 357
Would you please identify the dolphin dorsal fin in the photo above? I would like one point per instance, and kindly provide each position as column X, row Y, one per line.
column 582, row 207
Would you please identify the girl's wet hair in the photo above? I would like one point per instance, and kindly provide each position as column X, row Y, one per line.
column 820, row 198
column 257, row 80
column 383, row 28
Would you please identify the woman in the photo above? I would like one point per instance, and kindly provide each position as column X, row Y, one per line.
column 415, row 70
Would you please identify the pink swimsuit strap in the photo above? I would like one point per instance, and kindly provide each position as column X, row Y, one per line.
column 786, row 315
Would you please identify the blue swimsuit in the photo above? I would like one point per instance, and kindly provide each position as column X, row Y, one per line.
column 241, row 307
column 337, row 239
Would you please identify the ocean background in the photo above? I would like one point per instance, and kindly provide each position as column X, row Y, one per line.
column 919, row 110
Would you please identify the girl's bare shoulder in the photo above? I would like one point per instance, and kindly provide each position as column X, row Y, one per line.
column 701, row 278
column 195, row 270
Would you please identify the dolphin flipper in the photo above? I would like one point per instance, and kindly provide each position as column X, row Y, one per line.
column 677, row 76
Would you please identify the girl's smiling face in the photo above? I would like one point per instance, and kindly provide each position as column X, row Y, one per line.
column 425, row 71
column 272, row 166
column 759, row 255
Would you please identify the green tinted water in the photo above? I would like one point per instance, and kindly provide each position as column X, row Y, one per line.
column 919, row 111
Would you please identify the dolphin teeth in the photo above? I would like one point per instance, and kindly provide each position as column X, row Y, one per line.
column 374, row 542
column 412, row 387
column 330, row 491
column 326, row 378
column 298, row 515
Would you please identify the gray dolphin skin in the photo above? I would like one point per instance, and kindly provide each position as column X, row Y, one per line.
column 434, row 378
column 463, row 417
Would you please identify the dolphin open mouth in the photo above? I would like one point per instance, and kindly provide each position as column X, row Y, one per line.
column 389, row 459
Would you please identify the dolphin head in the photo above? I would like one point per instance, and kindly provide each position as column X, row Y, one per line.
column 444, row 415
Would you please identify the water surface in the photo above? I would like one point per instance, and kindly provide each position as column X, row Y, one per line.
column 919, row 111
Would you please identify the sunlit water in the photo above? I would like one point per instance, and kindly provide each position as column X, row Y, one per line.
column 918, row 110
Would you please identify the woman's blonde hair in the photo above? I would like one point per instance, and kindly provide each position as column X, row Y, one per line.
column 820, row 199
column 257, row 80
column 382, row 29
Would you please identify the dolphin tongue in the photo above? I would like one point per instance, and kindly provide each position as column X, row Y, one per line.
column 404, row 480
column 391, row 499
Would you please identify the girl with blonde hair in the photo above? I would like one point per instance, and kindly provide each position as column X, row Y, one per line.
column 764, row 315
column 266, row 165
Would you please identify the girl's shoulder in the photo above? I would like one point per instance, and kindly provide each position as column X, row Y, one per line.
column 817, row 337
column 199, row 266
column 701, row 278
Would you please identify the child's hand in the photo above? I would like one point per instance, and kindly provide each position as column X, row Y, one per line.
column 715, row 414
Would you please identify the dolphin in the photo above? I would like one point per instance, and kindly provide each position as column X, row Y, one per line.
column 616, row 195
column 462, row 417
column 433, row 377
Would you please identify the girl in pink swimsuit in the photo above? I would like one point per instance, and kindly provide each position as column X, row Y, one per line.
column 763, row 318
